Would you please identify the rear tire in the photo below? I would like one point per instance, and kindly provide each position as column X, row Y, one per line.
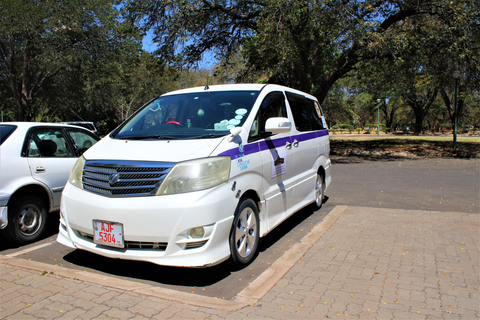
column 27, row 218
column 245, row 233
column 319, row 191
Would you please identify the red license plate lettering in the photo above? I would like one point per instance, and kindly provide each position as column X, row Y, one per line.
column 108, row 233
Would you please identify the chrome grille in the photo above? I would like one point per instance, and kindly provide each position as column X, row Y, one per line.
column 124, row 178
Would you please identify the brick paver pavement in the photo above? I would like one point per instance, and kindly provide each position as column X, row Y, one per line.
column 360, row 263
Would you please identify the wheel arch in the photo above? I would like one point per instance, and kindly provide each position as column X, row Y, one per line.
column 323, row 167
column 33, row 189
column 321, row 170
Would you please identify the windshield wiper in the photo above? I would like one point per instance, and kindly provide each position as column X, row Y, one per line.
column 159, row 137
column 210, row 135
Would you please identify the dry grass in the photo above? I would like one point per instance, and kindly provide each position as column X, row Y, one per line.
column 405, row 143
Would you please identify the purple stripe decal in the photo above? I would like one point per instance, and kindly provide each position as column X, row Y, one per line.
column 270, row 144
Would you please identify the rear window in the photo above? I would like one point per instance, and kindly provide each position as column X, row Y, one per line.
column 88, row 126
column 5, row 132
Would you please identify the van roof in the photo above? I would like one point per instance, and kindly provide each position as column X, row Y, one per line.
column 237, row 87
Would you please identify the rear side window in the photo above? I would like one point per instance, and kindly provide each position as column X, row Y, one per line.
column 48, row 143
column 5, row 132
column 306, row 112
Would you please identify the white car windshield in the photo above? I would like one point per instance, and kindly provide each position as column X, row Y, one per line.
column 189, row 116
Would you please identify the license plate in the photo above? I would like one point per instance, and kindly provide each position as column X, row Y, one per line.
column 108, row 233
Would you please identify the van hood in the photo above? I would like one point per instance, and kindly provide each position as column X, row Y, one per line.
column 148, row 150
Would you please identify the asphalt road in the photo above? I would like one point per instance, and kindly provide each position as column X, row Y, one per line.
column 384, row 182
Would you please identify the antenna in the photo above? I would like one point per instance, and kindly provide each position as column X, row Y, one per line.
column 76, row 114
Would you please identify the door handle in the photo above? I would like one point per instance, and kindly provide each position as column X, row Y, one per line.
column 288, row 145
column 40, row 169
column 295, row 143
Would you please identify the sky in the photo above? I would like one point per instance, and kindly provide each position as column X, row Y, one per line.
column 147, row 43
column 149, row 46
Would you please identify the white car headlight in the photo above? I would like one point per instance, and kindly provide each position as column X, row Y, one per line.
column 196, row 175
column 76, row 174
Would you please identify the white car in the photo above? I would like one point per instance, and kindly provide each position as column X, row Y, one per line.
column 35, row 162
column 198, row 175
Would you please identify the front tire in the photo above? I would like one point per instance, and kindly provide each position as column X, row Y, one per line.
column 245, row 233
column 27, row 218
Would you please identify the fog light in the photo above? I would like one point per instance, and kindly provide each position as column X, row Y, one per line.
column 197, row 233
column 62, row 216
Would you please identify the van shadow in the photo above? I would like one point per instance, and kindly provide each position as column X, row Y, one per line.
column 191, row 277
column 177, row 276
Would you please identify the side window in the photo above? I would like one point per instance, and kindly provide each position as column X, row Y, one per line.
column 272, row 106
column 316, row 116
column 306, row 112
column 82, row 139
column 48, row 143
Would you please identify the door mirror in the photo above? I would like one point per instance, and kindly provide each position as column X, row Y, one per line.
column 278, row 125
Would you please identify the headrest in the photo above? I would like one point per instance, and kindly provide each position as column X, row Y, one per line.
column 47, row 148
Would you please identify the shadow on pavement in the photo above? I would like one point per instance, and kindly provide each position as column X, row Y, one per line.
column 188, row 277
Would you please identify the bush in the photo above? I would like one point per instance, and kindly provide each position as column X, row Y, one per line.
column 349, row 127
column 334, row 128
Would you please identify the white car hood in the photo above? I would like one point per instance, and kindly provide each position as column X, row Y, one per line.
column 148, row 150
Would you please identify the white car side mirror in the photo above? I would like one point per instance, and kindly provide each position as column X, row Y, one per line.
column 278, row 125
column 234, row 132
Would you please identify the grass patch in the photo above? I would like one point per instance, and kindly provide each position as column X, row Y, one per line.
column 414, row 144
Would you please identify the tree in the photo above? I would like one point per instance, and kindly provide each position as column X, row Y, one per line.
column 308, row 45
column 424, row 52
column 51, row 49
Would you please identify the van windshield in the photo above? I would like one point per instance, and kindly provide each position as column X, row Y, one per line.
column 199, row 115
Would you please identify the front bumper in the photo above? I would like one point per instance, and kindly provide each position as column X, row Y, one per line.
column 155, row 228
column 4, row 197
column 3, row 217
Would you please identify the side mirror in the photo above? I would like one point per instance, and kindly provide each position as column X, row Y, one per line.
column 234, row 132
column 278, row 125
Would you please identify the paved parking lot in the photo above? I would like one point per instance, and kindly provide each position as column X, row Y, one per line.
column 369, row 259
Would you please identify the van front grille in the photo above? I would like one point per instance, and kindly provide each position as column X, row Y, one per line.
column 124, row 178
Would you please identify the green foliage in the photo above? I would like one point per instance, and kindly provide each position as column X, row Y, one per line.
column 52, row 52
column 349, row 127
column 308, row 45
column 70, row 61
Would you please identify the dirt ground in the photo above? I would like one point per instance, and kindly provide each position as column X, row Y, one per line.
column 411, row 144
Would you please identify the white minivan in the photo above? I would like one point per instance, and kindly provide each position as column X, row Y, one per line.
column 198, row 175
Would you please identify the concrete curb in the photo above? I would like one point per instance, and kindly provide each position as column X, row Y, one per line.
column 248, row 296
column 260, row 286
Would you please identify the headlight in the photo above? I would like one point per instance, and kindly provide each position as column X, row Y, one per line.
column 75, row 177
column 196, row 175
